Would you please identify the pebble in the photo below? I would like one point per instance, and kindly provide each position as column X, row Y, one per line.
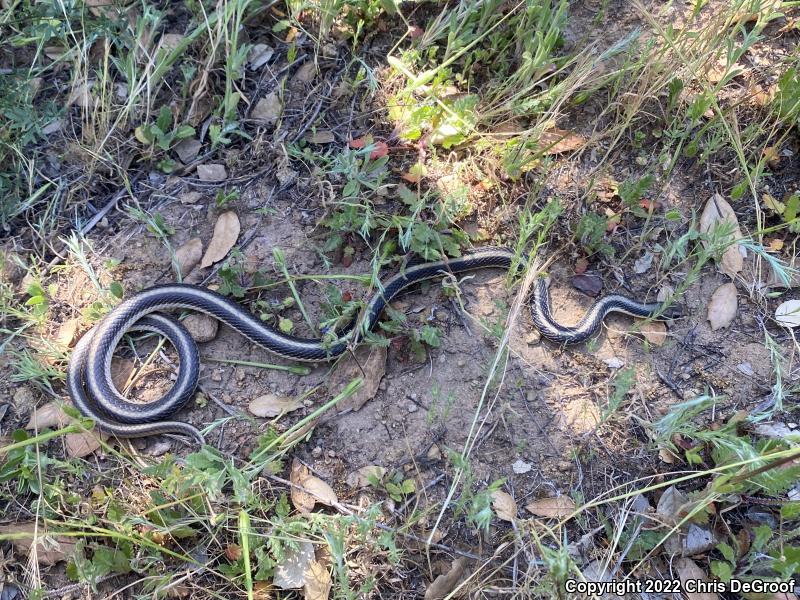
column 316, row 452
column 412, row 408
column 461, row 362
column 331, row 454
column 533, row 338
column 216, row 376
column 382, row 385
column 201, row 327
column 23, row 399
column 413, row 395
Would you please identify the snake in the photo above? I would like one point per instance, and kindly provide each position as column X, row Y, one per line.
column 93, row 393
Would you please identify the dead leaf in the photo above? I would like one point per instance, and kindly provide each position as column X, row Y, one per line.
column 271, row 405
column 259, row 55
column 81, row 94
column 268, row 109
column 717, row 212
column 591, row 285
column 362, row 477
column 56, row 52
column 723, row 306
column 49, row 415
column 654, row 332
column 504, row 506
column 447, row 582
column 643, row 263
column 688, row 570
column 188, row 255
column 49, row 549
column 302, row 500
column 322, row 136
column 66, row 332
column 212, row 172
column 558, row 141
column 82, row 444
column 670, row 505
column 305, row 73
column 380, row 150
column 788, row 314
column 772, row 155
column 317, row 583
column 321, row 491
column 226, row 232
column 188, row 149
column 121, row 371
column 290, row 572
column 170, row 41
column 372, row 359
column 555, row 508
column 233, row 552
column 773, row 204
column 667, row 456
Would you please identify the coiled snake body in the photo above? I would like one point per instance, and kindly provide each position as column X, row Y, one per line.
column 89, row 372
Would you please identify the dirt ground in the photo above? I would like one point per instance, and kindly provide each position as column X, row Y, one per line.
column 540, row 430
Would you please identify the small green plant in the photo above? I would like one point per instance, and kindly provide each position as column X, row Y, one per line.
column 591, row 231
column 163, row 135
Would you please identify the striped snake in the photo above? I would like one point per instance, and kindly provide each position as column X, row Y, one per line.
column 89, row 373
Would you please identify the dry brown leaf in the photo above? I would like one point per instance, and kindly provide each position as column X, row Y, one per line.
column 226, row 232
column 671, row 504
column 366, row 361
column 504, row 506
column 49, row 415
column 258, row 56
column 290, row 572
column 687, row 570
column 317, row 585
column 447, row 582
column 321, row 491
column 66, row 332
column 49, row 550
column 654, row 332
column 55, row 52
column 271, row 405
column 723, row 306
column 212, row 172
column 188, row 255
column 667, row 456
column 82, row 444
column 170, row 41
column 121, row 371
column 302, row 500
column 306, row 72
column 555, row 508
column 268, row 109
column 361, row 478
column 322, row 136
column 717, row 211
column 81, row 94
column 558, row 141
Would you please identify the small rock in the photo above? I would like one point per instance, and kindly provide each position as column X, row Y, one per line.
column 614, row 362
column 212, row 172
column 24, row 400
column 434, row 453
column 697, row 541
column 461, row 363
column 412, row 408
column 160, row 448
column 331, row 454
column 216, row 376
column 190, row 197
column 520, row 467
column 187, row 150
column 316, row 452
column 201, row 327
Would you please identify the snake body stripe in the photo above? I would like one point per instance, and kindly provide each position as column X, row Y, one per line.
column 89, row 372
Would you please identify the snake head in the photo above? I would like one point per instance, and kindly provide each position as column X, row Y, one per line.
column 674, row 311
